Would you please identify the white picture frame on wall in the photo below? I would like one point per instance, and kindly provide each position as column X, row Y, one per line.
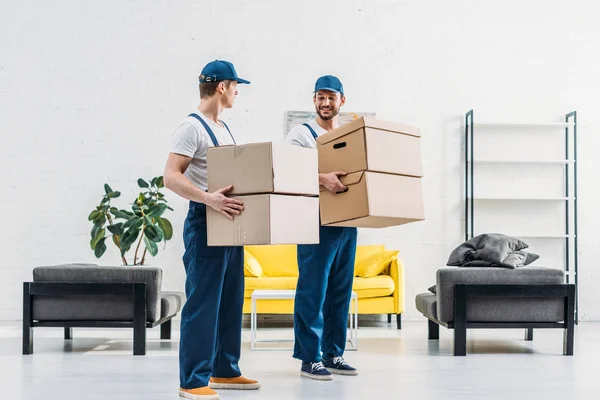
column 293, row 118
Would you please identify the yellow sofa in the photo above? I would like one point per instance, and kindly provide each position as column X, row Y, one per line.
column 276, row 267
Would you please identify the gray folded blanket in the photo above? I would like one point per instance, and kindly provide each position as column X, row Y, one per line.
column 492, row 250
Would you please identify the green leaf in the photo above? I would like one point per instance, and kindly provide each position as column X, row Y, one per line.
column 153, row 181
column 160, row 195
column 116, row 229
column 150, row 232
column 130, row 221
column 94, row 214
column 160, row 182
column 96, row 239
column 120, row 213
column 154, row 233
column 128, row 239
column 95, row 230
column 169, row 208
column 133, row 223
column 114, row 238
column 100, row 218
column 157, row 210
column 151, row 246
column 107, row 188
column 137, row 210
column 148, row 220
column 166, row 227
column 100, row 248
column 114, row 195
column 139, row 221
column 105, row 200
column 142, row 183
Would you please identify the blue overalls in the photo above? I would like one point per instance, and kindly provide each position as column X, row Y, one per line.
column 326, row 273
column 211, row 319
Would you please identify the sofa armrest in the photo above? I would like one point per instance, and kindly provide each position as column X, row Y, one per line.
column 397, row 274
column 449, row 276
column 97, row 306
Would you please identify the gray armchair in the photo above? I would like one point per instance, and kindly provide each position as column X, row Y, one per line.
column 87, row 295
column 471, row 298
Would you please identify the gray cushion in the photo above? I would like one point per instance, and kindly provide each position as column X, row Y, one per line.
column 487, row 248
column 500, row 309
column 170, row 303
column 96, row 307
column 427, row 304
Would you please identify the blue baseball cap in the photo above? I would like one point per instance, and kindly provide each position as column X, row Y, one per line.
column 331, row 83
column 220, row 70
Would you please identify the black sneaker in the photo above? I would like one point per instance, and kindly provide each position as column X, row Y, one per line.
column 315, row 370
column 339, row 366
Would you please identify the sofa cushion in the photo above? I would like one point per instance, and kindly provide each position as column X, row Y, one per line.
column 96, row 307
column 426, row 303
column 374, row 264
column 269, row 283
column 251, row 265
column 363, row 252
column 376, row 286
column 276, row 260
column 170, row 303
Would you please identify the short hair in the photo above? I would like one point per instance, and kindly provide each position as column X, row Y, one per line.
column 208, row 89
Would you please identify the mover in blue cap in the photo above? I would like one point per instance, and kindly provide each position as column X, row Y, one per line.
column 211, row 320
column 326, row 270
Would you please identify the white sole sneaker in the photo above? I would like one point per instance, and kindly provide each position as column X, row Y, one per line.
column 316, row 377
column 191, row 396
column 234, row 386
column 342, row 372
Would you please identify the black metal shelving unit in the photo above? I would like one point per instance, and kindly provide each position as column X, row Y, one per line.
column 571, row 261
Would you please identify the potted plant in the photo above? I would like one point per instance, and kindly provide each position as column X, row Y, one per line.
column 128, row 229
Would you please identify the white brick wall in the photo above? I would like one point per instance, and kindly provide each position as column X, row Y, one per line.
column 91, row 91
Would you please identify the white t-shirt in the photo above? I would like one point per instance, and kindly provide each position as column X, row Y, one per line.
column 191, row 139
column 301, row 136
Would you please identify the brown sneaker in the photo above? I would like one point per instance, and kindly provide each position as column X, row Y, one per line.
column 239, row 383
column 201, row 393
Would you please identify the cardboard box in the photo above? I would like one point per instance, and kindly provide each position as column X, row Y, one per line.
column 263, row 168
column 373, row 200
column 371, row 144
column 267, row 219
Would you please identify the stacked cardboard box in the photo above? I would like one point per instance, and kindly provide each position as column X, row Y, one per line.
column 382, row 161
column 278, row 185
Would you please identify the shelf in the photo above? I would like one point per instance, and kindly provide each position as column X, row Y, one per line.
column 521, row 198
column 533, row 236
column 522, row 125
column 532, row 162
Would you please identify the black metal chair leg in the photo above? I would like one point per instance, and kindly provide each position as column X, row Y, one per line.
column 165, row 330
column 569, row 332
column 434, row 330
column 139, row 320
column 460, row 320
column 27, row 320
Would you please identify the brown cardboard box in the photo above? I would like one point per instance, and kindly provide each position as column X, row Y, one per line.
column 263, row 168
column 371, row 144
column 267, row 219
column 373, row 200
